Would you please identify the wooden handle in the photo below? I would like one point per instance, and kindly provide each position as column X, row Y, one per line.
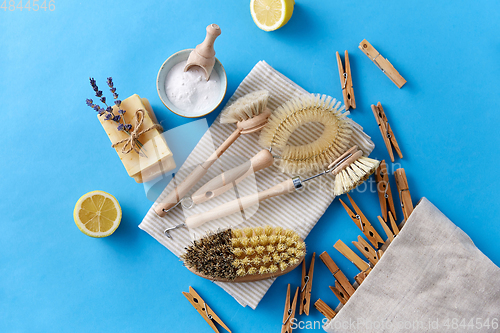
column 194, row 177
column 222, row 148
column 206, row 49
column 181, row 190
column 204, row 54
column 228, row 179
column 237, row 205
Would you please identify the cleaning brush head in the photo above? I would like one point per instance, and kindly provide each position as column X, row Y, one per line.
column 245, row 107
column 316, row 155
column 242, row 255
column 351, row 169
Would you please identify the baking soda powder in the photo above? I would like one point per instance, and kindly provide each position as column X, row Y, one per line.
column 190, row 91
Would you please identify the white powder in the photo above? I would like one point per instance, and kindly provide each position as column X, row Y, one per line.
column 190, row 91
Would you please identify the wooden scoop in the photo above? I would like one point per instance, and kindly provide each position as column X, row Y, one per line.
column 204, row 54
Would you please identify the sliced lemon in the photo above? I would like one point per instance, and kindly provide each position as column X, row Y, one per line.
column 97, row 214
column 270, row 15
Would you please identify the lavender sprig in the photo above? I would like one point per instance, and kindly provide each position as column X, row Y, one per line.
column 108, row 112
column 113, row 91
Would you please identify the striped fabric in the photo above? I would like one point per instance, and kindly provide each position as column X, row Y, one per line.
column 298, row 211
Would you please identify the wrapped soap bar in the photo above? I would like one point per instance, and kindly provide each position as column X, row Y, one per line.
column 151, row 156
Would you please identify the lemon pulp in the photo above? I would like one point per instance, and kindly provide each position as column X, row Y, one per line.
column 270, row 15
column 97, row 214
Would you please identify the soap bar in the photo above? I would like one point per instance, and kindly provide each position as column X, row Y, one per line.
column 156, row 158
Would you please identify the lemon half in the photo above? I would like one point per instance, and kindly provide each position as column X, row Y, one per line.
column 270, row 15
column 97, row 214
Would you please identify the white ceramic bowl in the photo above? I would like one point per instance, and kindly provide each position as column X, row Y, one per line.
column 162, row 75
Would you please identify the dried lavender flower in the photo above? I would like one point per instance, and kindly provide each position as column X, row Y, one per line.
column 108, row 112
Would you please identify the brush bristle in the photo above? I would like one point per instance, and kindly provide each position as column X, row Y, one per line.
column 245, row 107
column 237, row 253
column 354, row 175
column 315, row 155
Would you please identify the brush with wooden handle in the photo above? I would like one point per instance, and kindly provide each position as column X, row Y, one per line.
column 250, row 114
column 350, row 170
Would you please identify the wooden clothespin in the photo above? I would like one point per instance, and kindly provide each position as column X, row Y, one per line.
column 306, row 285
column 337, row 273
column 382, row 63
column 340, row 292
column 384, row 191
column 346, row 82
column 360, row 277
column 367, row 250
column 404, row 192
column 289, row 314
column 387, row 133
column 325, row 309
column 362, row 222
column 352, row 257
column 204, row 310
column 388, row 232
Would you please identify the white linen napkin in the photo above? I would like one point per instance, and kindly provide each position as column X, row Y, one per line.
column 298, row 211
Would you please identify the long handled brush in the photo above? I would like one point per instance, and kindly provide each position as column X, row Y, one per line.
column 250, row 114
column 350, row 170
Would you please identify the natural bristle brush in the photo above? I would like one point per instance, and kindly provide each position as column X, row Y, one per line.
column 244, row 255
column 275, row 135
column 250, row 114
column 350, row 170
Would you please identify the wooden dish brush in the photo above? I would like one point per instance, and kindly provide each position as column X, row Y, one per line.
column 350, row 170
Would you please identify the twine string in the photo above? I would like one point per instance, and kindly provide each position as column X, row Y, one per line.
column 135, row 134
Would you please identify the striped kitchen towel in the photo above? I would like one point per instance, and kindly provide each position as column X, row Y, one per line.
column 298, row 211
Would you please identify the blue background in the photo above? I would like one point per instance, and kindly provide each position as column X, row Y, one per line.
column 55, row 279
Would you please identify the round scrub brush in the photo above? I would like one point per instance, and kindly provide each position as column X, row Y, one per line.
column 250, row 112
column 316, row 155
column 244, row 255
column 281, row 126
column 350, row 170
